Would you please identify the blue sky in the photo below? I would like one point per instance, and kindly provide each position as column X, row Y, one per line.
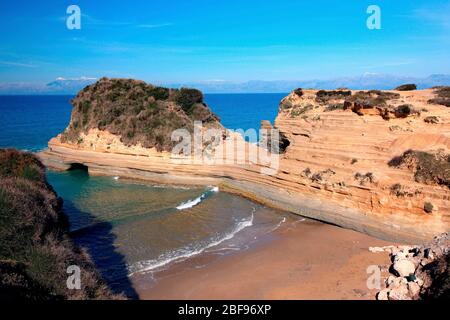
column 199, row 40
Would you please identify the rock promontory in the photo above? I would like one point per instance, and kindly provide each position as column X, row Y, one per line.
column 373, row 161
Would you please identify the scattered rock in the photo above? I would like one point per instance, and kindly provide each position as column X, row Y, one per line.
column 418, row 272
column 431, row 119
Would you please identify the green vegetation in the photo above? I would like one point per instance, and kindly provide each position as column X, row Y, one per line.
column 139, row 112
column 364, row 178
column 406, row 87
column 404, row 110
column 34, row 248
column 188, row 98
column 428, row 168
column 323, row 96
column 428, row 207
column 298, row 92
column 299, row 110
column 431, row 119
column 442, row 96
column 332, row 107
column 371, row 99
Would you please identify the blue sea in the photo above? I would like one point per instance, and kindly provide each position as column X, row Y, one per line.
column 28, row 122
column 132, row 227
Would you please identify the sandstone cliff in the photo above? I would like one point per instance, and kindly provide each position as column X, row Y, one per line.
column 337, row 163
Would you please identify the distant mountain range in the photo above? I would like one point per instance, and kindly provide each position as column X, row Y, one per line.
column 366, row 81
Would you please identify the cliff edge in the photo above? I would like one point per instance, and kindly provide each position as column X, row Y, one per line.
column 35, row 250
column 373, row 161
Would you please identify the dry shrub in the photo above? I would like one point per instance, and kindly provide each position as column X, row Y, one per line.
column 428, row 168
column 35, row 250
column 139, row 112
column 406, row 87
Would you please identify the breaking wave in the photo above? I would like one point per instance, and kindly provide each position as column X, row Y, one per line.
column 186, row 252
column 196, row 201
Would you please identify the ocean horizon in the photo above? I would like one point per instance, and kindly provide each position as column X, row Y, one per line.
column 169, row 224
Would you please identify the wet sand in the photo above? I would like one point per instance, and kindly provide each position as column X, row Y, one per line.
column 304, row 260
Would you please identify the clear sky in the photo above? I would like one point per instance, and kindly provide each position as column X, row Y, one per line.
column 237, row 40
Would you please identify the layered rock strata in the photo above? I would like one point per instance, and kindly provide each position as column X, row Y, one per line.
column 335, row 166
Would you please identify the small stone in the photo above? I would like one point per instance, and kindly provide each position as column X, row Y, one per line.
column 383, row 295
column 404, row 267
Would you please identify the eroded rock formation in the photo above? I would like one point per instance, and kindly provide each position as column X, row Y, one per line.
column 334, row 166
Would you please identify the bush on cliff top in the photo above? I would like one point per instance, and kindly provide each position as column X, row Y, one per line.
column 442, row 96
column 406, row 87
column 139, row 112
column 34, row 248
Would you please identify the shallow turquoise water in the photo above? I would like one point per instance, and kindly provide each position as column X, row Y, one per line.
column 133, row 227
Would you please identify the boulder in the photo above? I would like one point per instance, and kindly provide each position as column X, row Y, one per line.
column 404, row 267
column 399, row 293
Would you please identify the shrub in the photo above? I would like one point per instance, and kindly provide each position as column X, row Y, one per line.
column 431, row 119
column 307, row 172
column 428, row 207
column 403, row 110
column 443, row 96
column 34, row 246
column 332, row 107
column 298, row 92
column 323, row 95
column 20, row 164
column 159, row 93
column 442, row 101
column 369, row 100
column 406, row 87
column 364, row 178
column 137, row 112
column 299, row 110
column 427, row 167
column 187, row 98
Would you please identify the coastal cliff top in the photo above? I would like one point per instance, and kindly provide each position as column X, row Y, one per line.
column 390, row 104
column 35, row 249
column 138, row 112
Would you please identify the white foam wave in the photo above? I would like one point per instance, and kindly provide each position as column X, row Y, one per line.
column 196, row 201
column 187, row 252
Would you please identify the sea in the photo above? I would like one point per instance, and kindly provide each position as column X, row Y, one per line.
column 133, row 227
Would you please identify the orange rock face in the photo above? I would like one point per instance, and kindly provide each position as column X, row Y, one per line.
column 335, row 168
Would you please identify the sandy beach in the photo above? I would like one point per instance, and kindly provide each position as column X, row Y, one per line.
column 304, row 260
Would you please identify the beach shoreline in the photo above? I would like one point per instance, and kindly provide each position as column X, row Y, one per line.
column 301, row 260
